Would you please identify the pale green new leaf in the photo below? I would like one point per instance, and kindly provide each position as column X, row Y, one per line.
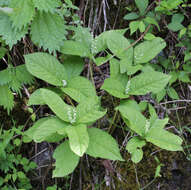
column 78, row 138
column 6, row 99
column 147, row 50
column 23, row 13
column 79, row 88
column 46, row 67
column 134, row 25
column 102, row 145
column 47, row 5
column 148, row 82
column 10, row 35
column 66, row 160
column 48, row 31
column 175, row 24
column 130, row 111
column 89, row 110
column 47, row 128
column 172, row 93
column 162, row 138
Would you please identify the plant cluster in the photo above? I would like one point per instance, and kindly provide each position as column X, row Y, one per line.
column 136, row 69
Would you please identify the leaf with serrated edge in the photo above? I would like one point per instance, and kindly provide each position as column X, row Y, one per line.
column 10, row 35
column 47, row 5
column 66, row 160
column 23, row 12
column 78, row 138
column 102, row 145
column 48, row 31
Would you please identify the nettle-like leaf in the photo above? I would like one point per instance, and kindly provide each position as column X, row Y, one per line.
column 162, row 138
column 147, row 50
column 78, row 138
column 10, row 35
column 6, row 99
column 102, row 145
column 50, row 98
column 79, row 88
column 66, row 160
column 46, row 67
column 5, row 76
column 23, row 13
column 43, row 31
column 47, row 5
column 134, row 147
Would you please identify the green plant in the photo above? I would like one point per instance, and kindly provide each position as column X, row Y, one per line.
column 12, row 79
column 13, row 166
column 70, row 121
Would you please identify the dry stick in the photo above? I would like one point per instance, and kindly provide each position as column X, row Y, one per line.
column 174, row 101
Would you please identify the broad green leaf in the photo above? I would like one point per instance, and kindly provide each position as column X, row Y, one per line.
column 47, row 5
column 172, row 93
column 43, row 31
column 183, row 76
column 52, row 138
column 162, row 138
column 23, row 13
column 119, row 46
column 47, row 128
column 143, row 53
column 89, row 111
column 131, row 16
column 5, row 76
column 160, row 95
column 46, row 67
column 132, row 113
column 7, row 98
column 175, row 24
column 148, row 82
column 102, row 145
column 56, row 104
column 10, row 35
column 66, row 160
column 137, row 156
column 75, row 48
column 73, row 65
column 151, row 20
column 141, row 26
column 100, row 43
column 149, row 36
column 78, row 138
column 79, row 88
column 134, row 143
column 142, row 5
column 115, row 88
column 134, row 25
column 3, row 51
